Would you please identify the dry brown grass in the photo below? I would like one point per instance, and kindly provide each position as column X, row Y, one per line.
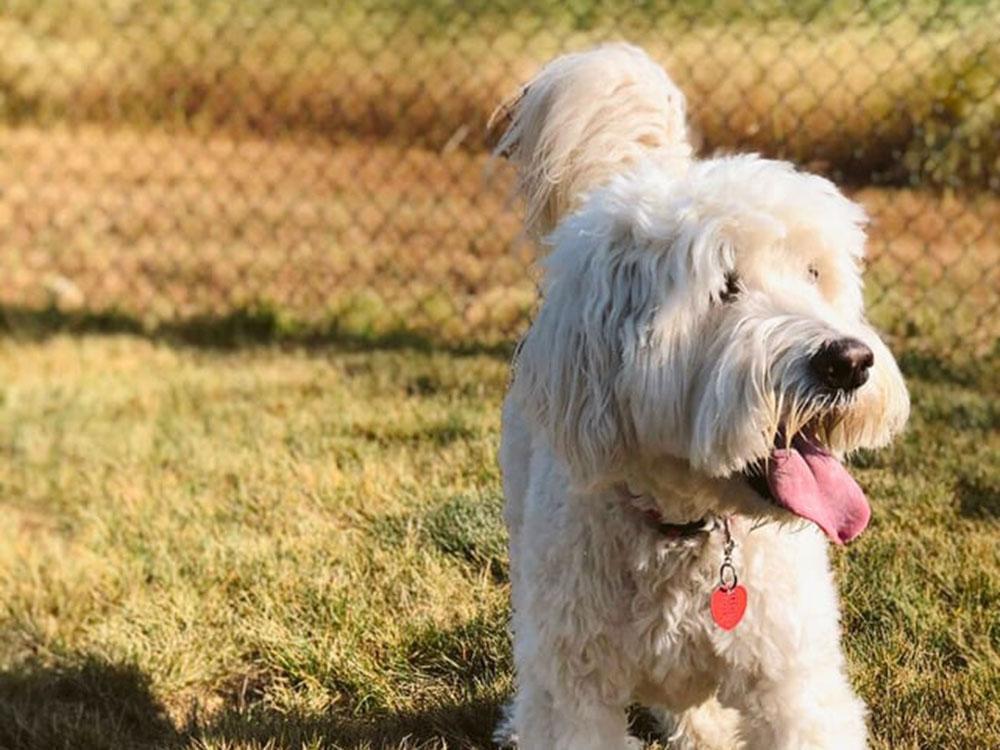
column 167, row 226
column 176, row 159
column 375, row 237
column 294, row 549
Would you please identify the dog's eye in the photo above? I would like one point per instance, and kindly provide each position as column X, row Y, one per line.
column 732, row 289
column 813, row 274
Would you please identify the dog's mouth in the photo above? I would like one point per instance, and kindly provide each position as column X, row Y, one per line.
column 804, row 478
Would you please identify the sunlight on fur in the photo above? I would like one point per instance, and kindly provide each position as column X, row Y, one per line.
column 702, row 345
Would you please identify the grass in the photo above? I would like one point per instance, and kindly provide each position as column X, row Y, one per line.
column 301, row 547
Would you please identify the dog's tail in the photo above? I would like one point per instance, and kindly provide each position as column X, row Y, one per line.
column 583, row 119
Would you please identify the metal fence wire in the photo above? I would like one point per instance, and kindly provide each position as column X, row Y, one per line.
column 320, row 166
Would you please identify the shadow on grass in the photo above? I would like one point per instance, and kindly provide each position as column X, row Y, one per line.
column 93, row 705
column 241, row 328
column 100, row 706
column 978, row 499
column 463, row 725
column 936, row 369
column 261, row 325
column 466, row 725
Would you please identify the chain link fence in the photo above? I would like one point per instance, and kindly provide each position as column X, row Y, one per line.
column 316, row 168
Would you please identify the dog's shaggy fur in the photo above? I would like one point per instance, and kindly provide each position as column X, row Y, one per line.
column 673, row 356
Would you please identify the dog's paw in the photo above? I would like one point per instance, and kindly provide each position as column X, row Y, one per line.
column 504, row 735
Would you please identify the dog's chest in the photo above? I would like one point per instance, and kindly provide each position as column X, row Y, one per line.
column 672, row 631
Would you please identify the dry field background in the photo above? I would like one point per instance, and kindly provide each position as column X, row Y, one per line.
column 308, row 238
column 894, row 90
column 317, row 169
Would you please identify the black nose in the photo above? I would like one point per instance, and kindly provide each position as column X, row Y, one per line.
column 842, row 364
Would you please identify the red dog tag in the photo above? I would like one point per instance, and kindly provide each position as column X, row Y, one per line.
column 728, row 606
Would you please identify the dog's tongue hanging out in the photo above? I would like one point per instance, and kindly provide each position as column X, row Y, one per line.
column 811, row 483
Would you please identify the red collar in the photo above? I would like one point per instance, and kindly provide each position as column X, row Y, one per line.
column 646, row 506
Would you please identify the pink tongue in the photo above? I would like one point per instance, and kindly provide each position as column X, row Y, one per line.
column 811, row 483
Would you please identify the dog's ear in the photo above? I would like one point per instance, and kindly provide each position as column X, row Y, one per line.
column 570, row 372
column 500, row 122
column 599, row 373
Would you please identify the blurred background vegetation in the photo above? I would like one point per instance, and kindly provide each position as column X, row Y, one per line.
column 886, row 92
column 307, row 168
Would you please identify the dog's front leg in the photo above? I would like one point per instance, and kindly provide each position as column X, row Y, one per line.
column 809, row 710
column 566, row 721
column 785, row 668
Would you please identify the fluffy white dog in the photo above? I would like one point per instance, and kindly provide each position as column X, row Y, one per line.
column 674, row 431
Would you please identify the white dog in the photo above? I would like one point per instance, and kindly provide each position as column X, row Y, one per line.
column 673, row 435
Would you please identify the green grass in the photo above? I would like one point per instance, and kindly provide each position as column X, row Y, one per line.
column 272, row 547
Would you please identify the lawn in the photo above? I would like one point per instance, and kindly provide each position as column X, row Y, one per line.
column 266, row 547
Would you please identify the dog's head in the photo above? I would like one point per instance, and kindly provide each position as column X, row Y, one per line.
column 713, row 324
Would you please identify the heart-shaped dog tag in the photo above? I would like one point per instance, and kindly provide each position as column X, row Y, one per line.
column 728, row 606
